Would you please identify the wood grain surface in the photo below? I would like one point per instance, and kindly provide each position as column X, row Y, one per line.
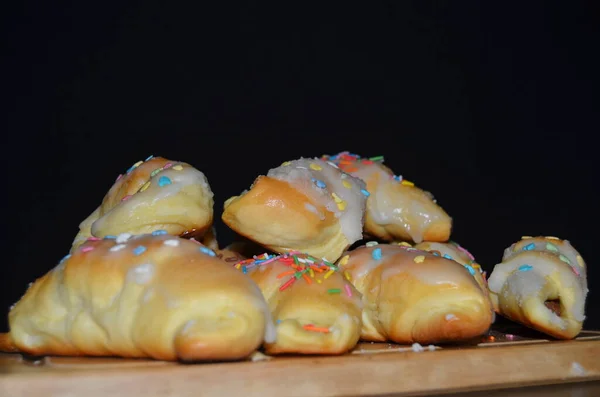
column 498, row 360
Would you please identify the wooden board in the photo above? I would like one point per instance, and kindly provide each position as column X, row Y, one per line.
column 503, row 358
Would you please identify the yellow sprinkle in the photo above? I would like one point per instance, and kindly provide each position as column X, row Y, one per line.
column 319, row 281
column 137, row 164
column 344, row 260
column 177, row 167
column 315, row 167
column 146, row 186
column 580, row 261
column 329, row 273
column 285, row 163
column 341, row 205
column 336, row 198
column 346, row 184
column 419, row 259
column 404, row 244
column 552, row 238
column 238, row 265
column 407, row 183
column 526, row 237
column 475, row 266
column 311, row 272
column 347, row 276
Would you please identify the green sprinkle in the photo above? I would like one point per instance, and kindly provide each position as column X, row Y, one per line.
column 376, row 158
column 295, row 257
column 564, row 259
column 334, row 291
column 298, row 275
column 551, row 247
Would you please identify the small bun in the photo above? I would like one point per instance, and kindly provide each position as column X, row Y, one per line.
column 305, row 205
column 156, row 194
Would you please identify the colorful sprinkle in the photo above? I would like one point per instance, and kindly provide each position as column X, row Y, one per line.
column 525, row 268
column 552, row 238
column 529, row 247
column 344, row 260
column 320, row 184
column 171, row 243
column 334, row 291
column 336, row 198
column 347, row 275
column 145, row 186
column 110, row 237
column 286, row 163
column 564, row 259
column 376, row 158
column 470, row 269
column 156, row 171
column 177, row 167
column 64, row 258
column 139, row 250
column 376, row 254
column 117, row 247
column 419, row 259
column 149, row 157
column 526, row 237
column 348, row 290
column 126, row 197
column 328, row 274
column 87, row 249
column 310, row 327
column 551, row 247
column 448, row 257
column 371, row 243
column 164, row 181
column 347, row 184
column 341, row 205
column 93, row 238
column 207, row 251
column 365, row 192
column 315, row 167
column 407, row 183
column 159, row 232
column 580, row 261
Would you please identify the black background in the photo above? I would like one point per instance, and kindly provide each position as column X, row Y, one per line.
column 493, row 108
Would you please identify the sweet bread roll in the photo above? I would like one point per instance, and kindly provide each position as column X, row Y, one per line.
column 541, row 283
column 305, row 205
column 148, row 296
column 317, row 310
column 396, row 208
column 156, row 194
column 452, row 250
column 414, row 296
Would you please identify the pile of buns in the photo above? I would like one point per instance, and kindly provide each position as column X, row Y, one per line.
column 332, row 251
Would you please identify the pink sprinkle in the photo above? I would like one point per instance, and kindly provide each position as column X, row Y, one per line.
column 87, row 249
column 126, row 197
column 93, row 238
column 119, row 177
column 348, row 290
column 466, row 252
column 168, row 165
column 196, row 241
column 575, row 271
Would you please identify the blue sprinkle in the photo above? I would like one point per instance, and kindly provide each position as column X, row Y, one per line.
column 365, row 192
column 448, row 257
column 130, row 169
column 159, row 232
column 376, row 254
column 139, row 250
column 529, row 247
column 244, row 270
column 65, row 258
column 398, row 178
column 320, row 184
column 164, row 181
column 435, row 254
column 525, row 268
column 207, row 251
column 110, row 237
column 278, row 321
column 149, row 157
column 470, row 269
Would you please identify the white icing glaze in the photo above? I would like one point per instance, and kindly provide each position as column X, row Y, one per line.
column 141, row 274
column 307, row 174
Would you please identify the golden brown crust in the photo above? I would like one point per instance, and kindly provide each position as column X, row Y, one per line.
column 274, row 214
column 6, row 344
column 317, row 313
column 157, row 194
column 414, row 296
column 160, row 297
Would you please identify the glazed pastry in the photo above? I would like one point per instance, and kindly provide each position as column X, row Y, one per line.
column 541, row 283
column 156, row 194
column 414, row 296
column 317, row 310
column 396, row 208
column 148, row 296
column 305, row 205
column 452, row 250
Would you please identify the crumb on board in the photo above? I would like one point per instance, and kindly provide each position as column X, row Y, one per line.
column 258, row 356
column 577, row 369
